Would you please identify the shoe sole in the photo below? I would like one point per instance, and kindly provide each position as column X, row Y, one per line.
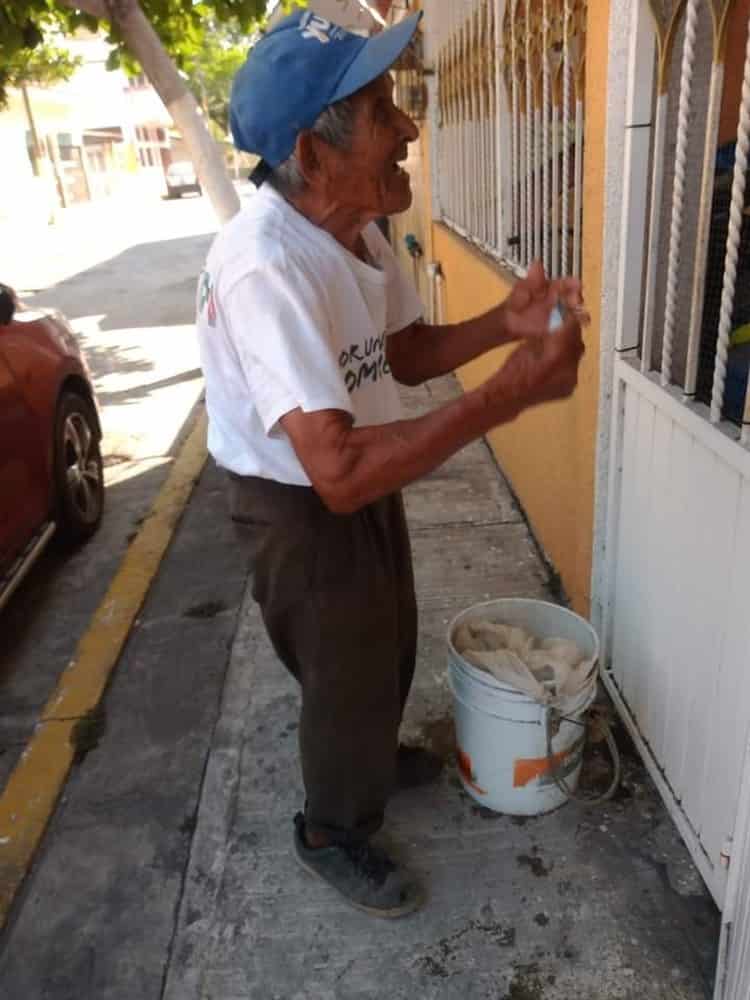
column 373, row 911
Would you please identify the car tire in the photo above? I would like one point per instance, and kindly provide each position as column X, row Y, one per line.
column 78, row 469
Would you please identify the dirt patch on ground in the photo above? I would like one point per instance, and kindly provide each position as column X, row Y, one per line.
column 444, row 959
column 526, row 984
column 206, row 609
column 535, row 863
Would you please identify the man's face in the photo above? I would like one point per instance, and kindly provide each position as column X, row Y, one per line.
column 368, row 176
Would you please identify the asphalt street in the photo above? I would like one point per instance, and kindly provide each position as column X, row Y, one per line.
column 125, row 277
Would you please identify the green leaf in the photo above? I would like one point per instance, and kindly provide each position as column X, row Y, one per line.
column 194, row 33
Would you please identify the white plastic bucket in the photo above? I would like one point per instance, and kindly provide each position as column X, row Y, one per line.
column 501, row 733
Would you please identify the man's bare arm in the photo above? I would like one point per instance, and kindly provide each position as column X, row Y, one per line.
column 350, row 466
column 420, row 351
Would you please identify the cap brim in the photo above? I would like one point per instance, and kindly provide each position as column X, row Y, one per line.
column 376, row 57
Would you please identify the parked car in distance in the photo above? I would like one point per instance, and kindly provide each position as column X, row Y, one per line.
column 182, row 179
column 51, row 475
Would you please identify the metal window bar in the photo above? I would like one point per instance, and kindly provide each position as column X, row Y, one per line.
column 490, row 119
column 719, row 19
column 455, row 99
column 536, row 84
column 529, row 166
column 503, row 132
column 480, row 220
column 557, row 98
column 493, row 116
column 511, row 73
column 480, row 53
column 472, row 221
column 483, row 62
column 523, row 177
column 579, row 66
column 666, row 20
column 507, row 131
column 707, row 340
column 565, row 221
column 461, row 117
column 465, row 119
column 730, row 262
column 678, row 188
column 546, row 102
column 506, row 126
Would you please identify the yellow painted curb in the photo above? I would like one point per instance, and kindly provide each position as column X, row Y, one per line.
column 33, row 788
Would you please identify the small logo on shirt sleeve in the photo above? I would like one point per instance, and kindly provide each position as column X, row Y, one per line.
column 206, row 298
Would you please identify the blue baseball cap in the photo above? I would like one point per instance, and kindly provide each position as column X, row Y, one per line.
column 297, row 70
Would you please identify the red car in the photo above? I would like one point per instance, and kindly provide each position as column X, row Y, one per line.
column 51, row 477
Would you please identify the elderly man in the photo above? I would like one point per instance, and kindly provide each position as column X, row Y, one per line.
column 306, row 324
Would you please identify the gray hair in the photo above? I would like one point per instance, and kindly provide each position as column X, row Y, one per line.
column 334, row 125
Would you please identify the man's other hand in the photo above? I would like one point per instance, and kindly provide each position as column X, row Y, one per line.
column 526, row 311
column 541, row 370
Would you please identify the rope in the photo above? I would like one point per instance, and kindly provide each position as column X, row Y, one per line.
column 553, row 720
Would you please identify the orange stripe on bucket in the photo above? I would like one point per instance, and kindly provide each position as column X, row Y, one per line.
column 466, row 771
column 527, row 770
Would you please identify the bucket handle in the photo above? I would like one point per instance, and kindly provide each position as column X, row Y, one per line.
column 552, row 724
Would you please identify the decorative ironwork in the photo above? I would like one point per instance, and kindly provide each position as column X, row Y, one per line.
column 510, row 127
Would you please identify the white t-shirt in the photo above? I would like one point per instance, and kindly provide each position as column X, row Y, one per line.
column 288, row 318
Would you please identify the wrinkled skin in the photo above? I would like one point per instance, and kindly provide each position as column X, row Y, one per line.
column 347, row 189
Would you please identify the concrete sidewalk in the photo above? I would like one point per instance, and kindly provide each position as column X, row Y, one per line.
column 593, row 905
column 167, row 869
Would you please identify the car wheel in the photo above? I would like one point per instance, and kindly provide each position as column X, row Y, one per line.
column 79, row 475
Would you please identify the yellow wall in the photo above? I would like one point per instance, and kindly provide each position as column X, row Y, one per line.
column 549, row 453
column 418, row 220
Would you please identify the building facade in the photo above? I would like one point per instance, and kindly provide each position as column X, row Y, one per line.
column 96, row 135
column 610, row 140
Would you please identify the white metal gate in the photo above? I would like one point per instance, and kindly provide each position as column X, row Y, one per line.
column 672, row 573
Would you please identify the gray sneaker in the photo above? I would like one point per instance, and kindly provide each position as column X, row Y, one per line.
column 364, row 875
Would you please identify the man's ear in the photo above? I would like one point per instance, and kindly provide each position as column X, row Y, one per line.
column 310, row 158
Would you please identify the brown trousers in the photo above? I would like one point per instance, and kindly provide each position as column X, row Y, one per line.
column 337, row 597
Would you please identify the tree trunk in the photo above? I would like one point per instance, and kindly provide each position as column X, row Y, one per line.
column 145, row 45
column 143, row 42
column 37, row 150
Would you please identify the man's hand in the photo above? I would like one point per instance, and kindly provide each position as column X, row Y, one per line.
column 420, row 351
column 351, row 466
column 526, row 311
column 541, row 370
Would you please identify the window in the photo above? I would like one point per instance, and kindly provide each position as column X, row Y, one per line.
column 685, row 280
column 150, row 140
column 510, row 122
